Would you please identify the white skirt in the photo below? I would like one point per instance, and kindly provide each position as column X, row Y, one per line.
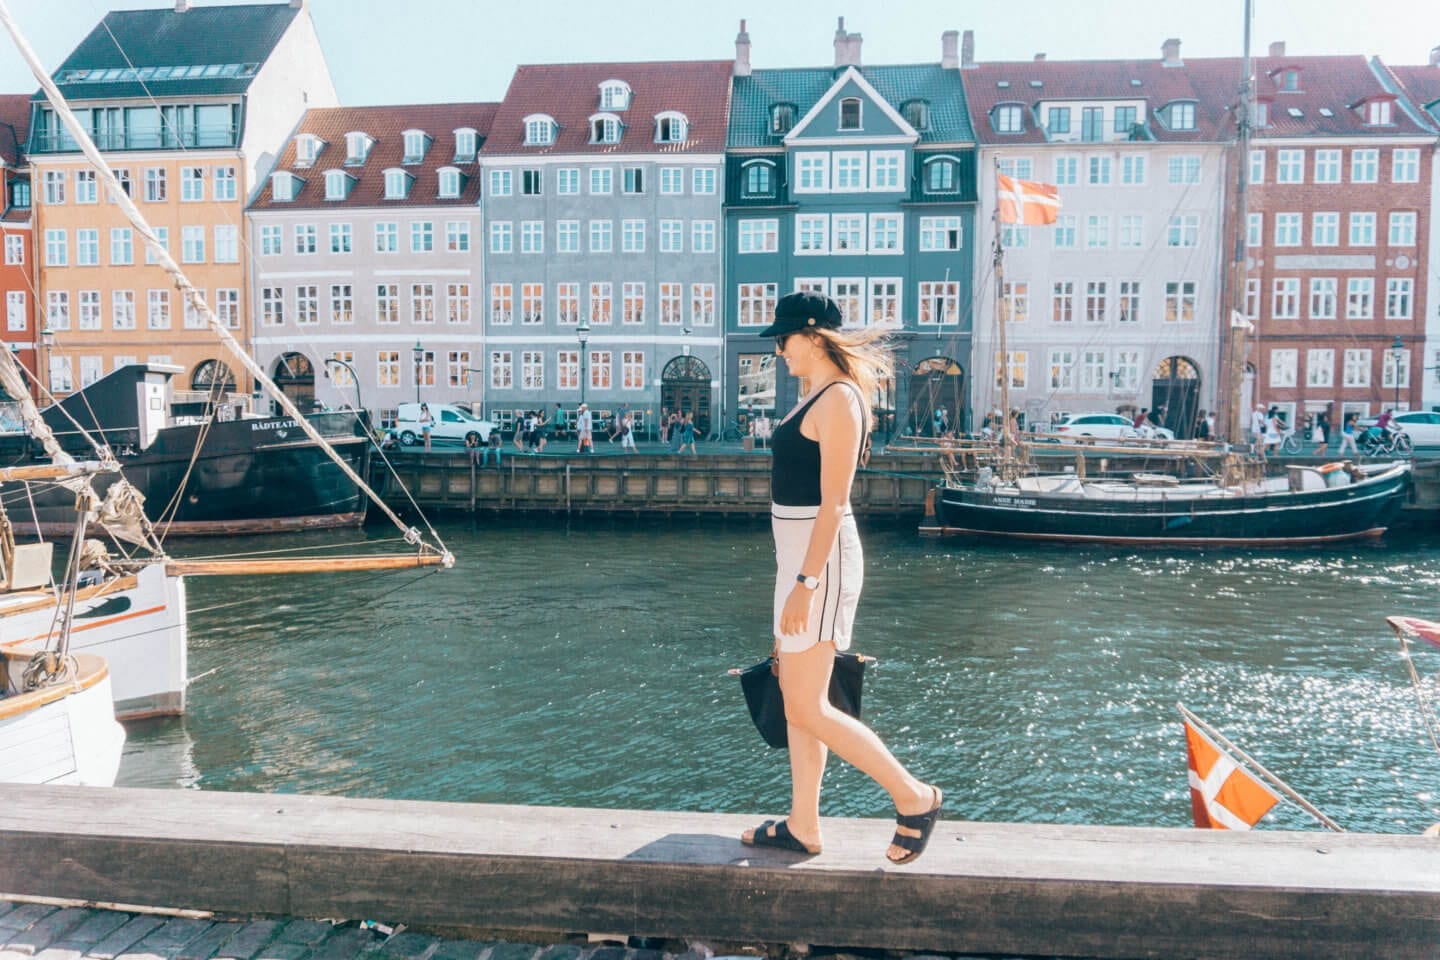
column 832, row 614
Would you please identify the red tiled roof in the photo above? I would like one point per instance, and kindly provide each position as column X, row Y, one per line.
column 1422, row 83
column 385, row 125
column 14, row 126
column 1335, row 83
column 1088, row 80
column 570, row 93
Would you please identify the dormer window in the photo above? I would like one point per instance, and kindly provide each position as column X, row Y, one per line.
column 941, row 175
column 1260, row 114
column 416, row 144
column 614, row 95
column 671, row 127
column 452, row 181
column 467, row 142
column 605, row 128
column 357, row 148
column 284, row 187
column 539, row 130
column 307, row 148
column 1009, row 118
column 782, row 118
column 1287, row 80
column 850, row 113
column 397, row 184
column 338, row 184
column 916, row 113
column 759, row 179
column 1181, row 116
column 1378, row 113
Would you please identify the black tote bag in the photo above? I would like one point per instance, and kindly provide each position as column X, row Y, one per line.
column 767, row 705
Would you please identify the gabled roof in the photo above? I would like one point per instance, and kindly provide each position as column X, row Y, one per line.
column 853, row 75
column 570, row 93
column 14, row 127
column 1030, row 82
column 230, row 41
column 753, row 96
column 1329, row 84
column 1421, row 84
column 385, row 126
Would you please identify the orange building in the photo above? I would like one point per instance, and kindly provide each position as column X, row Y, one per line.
column 185, row 105
column 17, row 239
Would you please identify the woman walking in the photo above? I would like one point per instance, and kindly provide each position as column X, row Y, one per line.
column 687, row 434
column 820, row 568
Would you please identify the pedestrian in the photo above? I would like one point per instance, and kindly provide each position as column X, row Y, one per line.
column 1140, row 419
column 1320, row 433
column 687, row 434
column 538, row 434
column 474, row 445
column 1257, row 426
column 675, row 430
column 427, row 422
column 557, row 422
column 627, row 434
column 947, row 451
column 617, row 420
column 1210, row 430
column 495, row 445
column 664, row 426
column 1347, row 436
column 519, row 439
column 585, row 441
column 1273, row 431
column 1202, row 427
column 820, row 568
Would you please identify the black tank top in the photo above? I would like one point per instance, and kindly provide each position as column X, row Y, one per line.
column 795, row 458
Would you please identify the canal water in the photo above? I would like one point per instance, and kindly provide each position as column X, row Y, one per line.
column 586, row 665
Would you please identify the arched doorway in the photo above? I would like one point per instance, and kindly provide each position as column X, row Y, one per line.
column 209, row 384
column 938, row 383
column 685, row 387
column 1175, row 395
column 212, row 376
column 295, row 376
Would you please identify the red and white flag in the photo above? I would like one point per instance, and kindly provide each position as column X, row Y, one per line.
column 1027, row 202
column 1223, row 794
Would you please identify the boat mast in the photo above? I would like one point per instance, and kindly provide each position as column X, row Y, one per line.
column 1233, row 327
column 1002, row 316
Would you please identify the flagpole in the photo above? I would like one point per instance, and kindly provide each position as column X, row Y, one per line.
column 1002, row 313
column 1275, row 781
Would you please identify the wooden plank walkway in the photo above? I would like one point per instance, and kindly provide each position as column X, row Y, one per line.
column 982, row 888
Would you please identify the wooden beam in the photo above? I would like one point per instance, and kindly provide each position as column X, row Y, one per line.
column 981, row 888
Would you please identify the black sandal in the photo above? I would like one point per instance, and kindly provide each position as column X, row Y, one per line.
column 782, row 838
column 923, row 822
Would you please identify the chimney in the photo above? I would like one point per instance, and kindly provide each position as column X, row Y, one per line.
column 853, row 49
column 1171, row 49
column 742, row 52
column 1040, row 58
column 950, row 49
column 1277, row 49
column 182, row 5
column 967, row 50
column 1435, row 56
column 842, row 45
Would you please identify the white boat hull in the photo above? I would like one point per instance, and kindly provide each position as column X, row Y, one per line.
column 67, row 735
column 138, row 627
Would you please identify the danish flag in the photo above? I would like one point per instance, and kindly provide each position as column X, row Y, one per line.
column 1223, row 794
column 1028, row 202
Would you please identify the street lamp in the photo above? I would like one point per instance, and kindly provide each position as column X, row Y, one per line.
column 44, row 378
column 419, row 352
column 354, row 378
column 1397, row 350
column 582, row 333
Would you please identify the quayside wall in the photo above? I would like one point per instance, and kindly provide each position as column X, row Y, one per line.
column 981, row 888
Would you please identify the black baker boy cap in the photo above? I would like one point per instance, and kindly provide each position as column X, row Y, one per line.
column 803, row 311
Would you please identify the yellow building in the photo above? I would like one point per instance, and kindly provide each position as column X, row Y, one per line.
column 187, row 105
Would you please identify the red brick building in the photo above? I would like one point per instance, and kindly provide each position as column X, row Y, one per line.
column 1336, row 234
column 17, row 234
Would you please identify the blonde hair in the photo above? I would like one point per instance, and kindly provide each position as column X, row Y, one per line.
column 866, row 356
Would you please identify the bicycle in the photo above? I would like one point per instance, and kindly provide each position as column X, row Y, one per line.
column 1376, row 442
column 1290, row 442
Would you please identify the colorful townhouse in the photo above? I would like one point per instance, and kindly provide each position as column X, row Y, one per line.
column 366, row 261
column 1420, row 85
column 1336, row 235
column 603, row 251
column 17, row 236
column 1116, row 308
column 188, row 106
column 859, row 182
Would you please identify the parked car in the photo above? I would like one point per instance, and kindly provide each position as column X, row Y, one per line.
column 452, row 425
column 1107, row 426
column 1422, row 426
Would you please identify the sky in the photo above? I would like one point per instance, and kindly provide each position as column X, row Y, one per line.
column 428, row 51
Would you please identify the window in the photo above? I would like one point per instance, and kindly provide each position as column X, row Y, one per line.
column 567, row 181
column 387, row 237
column 567, row 300
column 532, row 303
column 1180, row 301
column 600, row 363
column 1325, row 229
column 672, row 181
column 812, row 233
column 1017, row 363
column 782, row 118
column 457, row 303
column 850, row 114
column 885, row 170
column 1282, row 367
column 633, row 180
column 1360, row 298
column 502, row 304
column 397, row 184
column 567, row 236
column 450, row 182
column 157, row 312
column 387, row 303
column 85, row 190
column 1015, row 236
column 671, row 128
column 601, row 180
column 601, row 303
column 87, row 248
column 466, row 143
column 1062, row 369
column 758, row 179
column 1182, row 116
column 357, row 148
column 61, row 375
column 1017, row 300
column 342, row 305
column 532, row 236
column 1254, row 229
column 1058, row 120
column 847, row 234
column 162, row 234
column 1327, row 166
column 1394, row 371
column 1398, row 297
column 122, row 309
column 1132, row 169
column 669, row 301
column 1320, row 368
column 702, row 236
column 1405, row 165
column 939, row 302
column 885, row 301
column 940, row 233
column 1067, row 171
column 502, row 183
column 672, row 236
column 1097, row 301
column 1097, row 231
column 341, row 238
column 1324, row 294
column 605, row 129
column 306, row 238
column 1184, row 230
column 756, row 303
column 1009, row 118
column 1357, row 368
column 1402, row 229
column 20, row 192
column 155, row 184
column 1377, row 112
column 57, row 248
column 192, row 184
column 1184, row 169
column 227, row 244
column 1364, row 166
column 941, row 176
column 1362, row 229
column 759, row 236
column 632, row 302
column 422, row 303
column 702, row 304
column 502, row 236
column 416, row 143
column 532, row 182
column 54, row 191
column 1257, row 166
column 15, row 248
column 702, row 183
column 1124, row 121
column 1290, row 166
column 1129, row 303
column 539, row 130
column 1062, row 301
column 422, row 236
column 1286, row 302
column 602, row 238
column 532, row 370
column 307, row 305
column 632, row 236
column 1099, row 171
column 885, row 232
column 1287, row 229
column 1132, row 231
column 57, row 310
column 1092, row 124
column 849, row 171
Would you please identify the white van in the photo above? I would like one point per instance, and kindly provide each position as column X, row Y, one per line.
column 452, row 425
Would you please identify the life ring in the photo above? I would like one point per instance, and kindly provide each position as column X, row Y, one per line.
column 1329, row 467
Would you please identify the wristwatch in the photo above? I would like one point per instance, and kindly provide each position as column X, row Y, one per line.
column 810, row 583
